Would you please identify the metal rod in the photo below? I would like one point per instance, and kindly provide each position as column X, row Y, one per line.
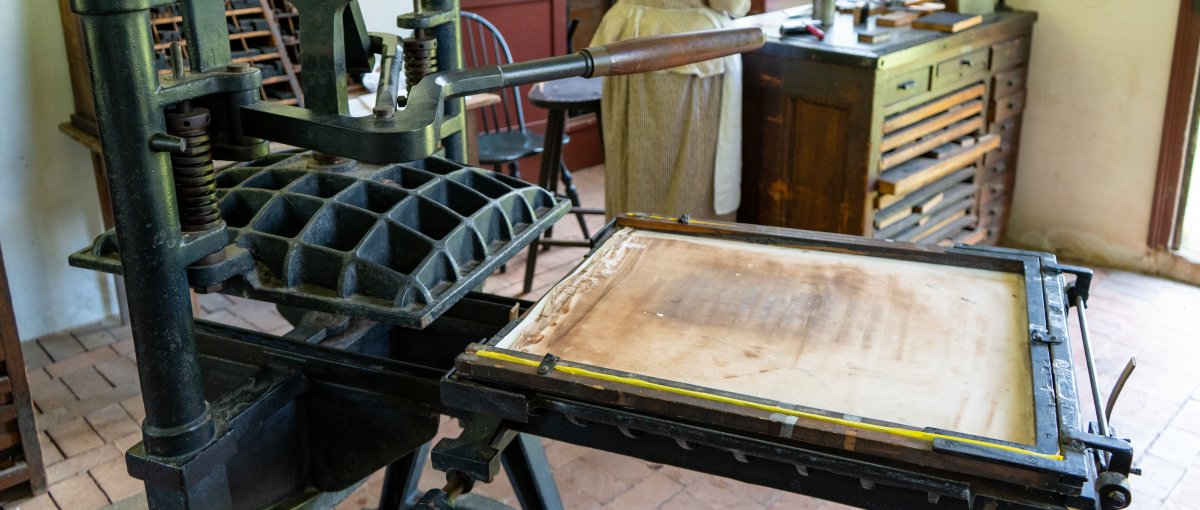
column 1119, row 386
column 389, row 75
column 1101, row 419
column 208, row 49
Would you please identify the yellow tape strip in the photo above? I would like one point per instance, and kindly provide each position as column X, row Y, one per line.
column 896, row 431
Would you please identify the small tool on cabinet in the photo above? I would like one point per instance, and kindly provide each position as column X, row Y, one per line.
column 801, row 27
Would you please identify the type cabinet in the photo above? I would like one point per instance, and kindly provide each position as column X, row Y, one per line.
column 913, row 138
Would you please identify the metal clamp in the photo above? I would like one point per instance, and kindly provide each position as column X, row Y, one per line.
column 547, row 364
column 1078, row 288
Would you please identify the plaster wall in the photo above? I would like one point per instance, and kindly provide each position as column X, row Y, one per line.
column 48, row 201
column 1097, row 88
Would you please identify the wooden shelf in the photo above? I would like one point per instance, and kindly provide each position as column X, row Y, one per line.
column 270, row 37
column 234, row 12
column 258, row 58
column 249, row 35
column 232, row 37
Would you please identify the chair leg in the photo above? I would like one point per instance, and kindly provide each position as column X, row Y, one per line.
column 573, row 195
column 552, row 187
column 530, row 266
column 529, row 471
column 514, row 169
column 400, row 482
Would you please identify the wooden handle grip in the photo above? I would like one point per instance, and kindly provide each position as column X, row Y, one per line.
column 659, row 52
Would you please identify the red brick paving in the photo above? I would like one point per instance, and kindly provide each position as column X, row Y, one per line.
column 85, row 393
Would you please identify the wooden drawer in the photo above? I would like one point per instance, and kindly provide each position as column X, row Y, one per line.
column 995, row 232
column 1008, row 128
column 907, row 85
column 931, row 108
column 998, row 169
column 961, row 68
column 994, row 188
column 994, row 213
column 1008, row 82
column 944, row 222
column 1004, row 150
column 1005, row 107
column 969, row 236
column 918, row 139
column 920, row 172
column 1010, row 53
column 909, row 221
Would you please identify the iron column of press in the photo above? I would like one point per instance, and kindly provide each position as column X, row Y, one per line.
column 140, row 180
column 449, row 58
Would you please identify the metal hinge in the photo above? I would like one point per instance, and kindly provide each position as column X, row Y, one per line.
column 1042, row 335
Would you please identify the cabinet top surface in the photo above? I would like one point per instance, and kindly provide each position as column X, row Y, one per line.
column 841, row 42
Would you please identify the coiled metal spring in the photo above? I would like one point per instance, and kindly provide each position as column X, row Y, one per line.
column 420, row 58
column 195, row 181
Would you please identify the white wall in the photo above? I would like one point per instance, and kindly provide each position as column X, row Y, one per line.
column 48, row 203
column 1093, row 121
column 380, row 15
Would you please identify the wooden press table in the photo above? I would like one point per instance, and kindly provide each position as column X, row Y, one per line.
column 874, row 373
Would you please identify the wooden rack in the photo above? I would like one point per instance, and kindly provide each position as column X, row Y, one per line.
column 264, row 33
column 21, row 470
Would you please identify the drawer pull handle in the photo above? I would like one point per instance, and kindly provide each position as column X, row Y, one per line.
column 966, row 62
column 908, row 85
column 1012, row 105
column 1012, row 83
column 999, row 168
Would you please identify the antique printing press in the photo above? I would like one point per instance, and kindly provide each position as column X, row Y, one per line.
column 372, row 240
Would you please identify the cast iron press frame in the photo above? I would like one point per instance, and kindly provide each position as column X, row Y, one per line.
column 260, row 442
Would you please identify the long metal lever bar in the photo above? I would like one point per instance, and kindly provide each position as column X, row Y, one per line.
column 1101, row 419
column 416, row 132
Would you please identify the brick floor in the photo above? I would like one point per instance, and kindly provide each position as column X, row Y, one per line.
column 85, row 391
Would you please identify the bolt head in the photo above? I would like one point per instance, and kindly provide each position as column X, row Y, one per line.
column 1118, row 499
column 238, row 67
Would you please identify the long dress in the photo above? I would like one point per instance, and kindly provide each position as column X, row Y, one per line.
column 672, row 138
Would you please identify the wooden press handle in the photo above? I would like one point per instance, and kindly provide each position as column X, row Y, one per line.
column 659, row 52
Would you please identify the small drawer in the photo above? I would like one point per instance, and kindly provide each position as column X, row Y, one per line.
column 1005, row 107
column 970, row 236
column 1002, row 152
column 1008, row 82
column 994, row 213
column 961, row 68
column 998, row 168
column 907, row 85
column 1006, row 128
column 1010, row 53
column 994, row 234
column 994, row 188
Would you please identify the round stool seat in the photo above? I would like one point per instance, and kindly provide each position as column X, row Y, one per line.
column 507, row 146
column 569, row 93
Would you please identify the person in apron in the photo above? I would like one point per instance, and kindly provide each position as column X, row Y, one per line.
column 673, row 138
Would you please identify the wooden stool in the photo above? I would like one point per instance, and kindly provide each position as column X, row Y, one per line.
column 558, row 97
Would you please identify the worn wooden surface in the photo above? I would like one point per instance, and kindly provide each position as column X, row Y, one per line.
column 17, row 426
column 913, row 343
